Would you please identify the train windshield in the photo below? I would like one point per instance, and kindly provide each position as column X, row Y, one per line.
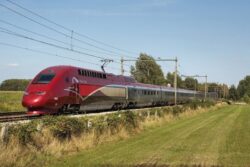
column 44, row 78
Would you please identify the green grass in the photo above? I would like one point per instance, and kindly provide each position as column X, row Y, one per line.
column 11, row 101
column 219, row 137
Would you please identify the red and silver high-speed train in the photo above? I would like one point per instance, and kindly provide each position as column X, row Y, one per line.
column 73, row 89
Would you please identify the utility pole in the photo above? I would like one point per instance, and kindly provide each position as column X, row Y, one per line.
column 159, row 59
column 122, row 69
column 206, row 88
column 175, row 81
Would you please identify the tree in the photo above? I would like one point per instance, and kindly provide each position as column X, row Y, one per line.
column 146, row 70
column 244, row 87
column 191, row 83
column 233, row 93
column 14, row 84
column 170, row 80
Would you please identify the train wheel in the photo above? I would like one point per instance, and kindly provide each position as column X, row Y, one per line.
column 63, row 109
column 76, row 109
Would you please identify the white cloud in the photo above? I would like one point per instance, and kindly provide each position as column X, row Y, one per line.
column 13, row 64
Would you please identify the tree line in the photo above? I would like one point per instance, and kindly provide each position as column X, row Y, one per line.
column 14, row 84
column 242, row 91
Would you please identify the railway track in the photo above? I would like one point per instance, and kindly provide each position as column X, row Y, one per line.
column 6, row 117
column 11, row 113
column 16, row 116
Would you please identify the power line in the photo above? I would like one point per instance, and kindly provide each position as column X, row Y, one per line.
column 47, row 37
column 6, row 31
column 51, row 44
column 55, row 30
column 68, row 29
column 47, row 43
column 46, row 53
column 51, row 54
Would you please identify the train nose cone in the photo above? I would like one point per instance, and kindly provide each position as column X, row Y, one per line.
column 32, row 101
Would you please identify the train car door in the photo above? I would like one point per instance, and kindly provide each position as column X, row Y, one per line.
column 75, row 93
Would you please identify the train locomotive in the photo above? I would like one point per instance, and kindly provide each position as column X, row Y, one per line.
column 61, row 89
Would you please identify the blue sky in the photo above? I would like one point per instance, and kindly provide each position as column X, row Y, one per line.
column 208, row 36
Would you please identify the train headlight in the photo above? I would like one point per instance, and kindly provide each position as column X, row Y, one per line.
column 40, row 93
column 26, row 93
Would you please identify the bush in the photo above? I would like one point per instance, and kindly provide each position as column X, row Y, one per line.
column 193, row 105
column 130, row 120
column 23, row 133
column 99, row 126
column 64, row 128
column 207, row 103
column 113, row 122
column 166, row 110
column 246, row 98
column 177, row 110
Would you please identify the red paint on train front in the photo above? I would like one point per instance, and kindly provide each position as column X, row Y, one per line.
column 56, row 86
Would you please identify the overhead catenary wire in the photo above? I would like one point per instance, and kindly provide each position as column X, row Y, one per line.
column 68, row 29
column 6, row 31
column 47, row 37
column 52, row 54
column 57, row 31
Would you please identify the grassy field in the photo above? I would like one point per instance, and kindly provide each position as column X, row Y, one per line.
column 219, row 137
column 11, row 101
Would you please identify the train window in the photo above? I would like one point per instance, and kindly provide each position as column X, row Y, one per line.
column 79, row 72
column 104, row 76
column 44, row 78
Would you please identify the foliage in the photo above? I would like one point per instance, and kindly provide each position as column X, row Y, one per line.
column 14, row 84
column 170, row 80
column 195, row 104
column 99, row 125
column 63, row 127
column 146, row 70
column 233, row 95
column 177, row 110
column 114, row 121
column 130, row 120
column 23, row 133
column 243, row 88
column 246, row 98
column 191, row 83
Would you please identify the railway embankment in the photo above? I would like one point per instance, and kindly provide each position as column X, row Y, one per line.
column 21, row 144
